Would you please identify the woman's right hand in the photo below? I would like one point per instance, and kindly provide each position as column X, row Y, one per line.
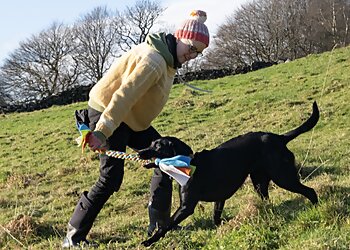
column 97, row 141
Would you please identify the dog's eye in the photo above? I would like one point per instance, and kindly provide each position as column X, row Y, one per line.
column 155, row 144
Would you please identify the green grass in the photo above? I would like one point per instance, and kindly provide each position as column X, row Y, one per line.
column 42, row 172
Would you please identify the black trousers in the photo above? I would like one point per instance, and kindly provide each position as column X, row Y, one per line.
column 112, row 169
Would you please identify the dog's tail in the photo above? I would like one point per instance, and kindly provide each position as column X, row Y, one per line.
column 306, row 126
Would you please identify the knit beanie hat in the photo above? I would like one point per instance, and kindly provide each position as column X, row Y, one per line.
column 194, row 28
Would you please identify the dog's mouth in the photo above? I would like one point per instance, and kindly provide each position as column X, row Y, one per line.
column 149, row 159
column 149, row 165
column 152, row 155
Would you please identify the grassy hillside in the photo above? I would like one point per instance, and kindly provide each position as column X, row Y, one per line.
column 42, row 172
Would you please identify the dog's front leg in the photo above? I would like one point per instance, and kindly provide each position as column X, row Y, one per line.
column 181, row 213
column 159, row 234
column 218, row 207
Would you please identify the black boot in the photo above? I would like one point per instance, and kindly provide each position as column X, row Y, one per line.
column 80, row 223
column 157, row 219
column 68, row 241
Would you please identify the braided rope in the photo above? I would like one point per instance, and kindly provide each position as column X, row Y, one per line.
column 126, row 156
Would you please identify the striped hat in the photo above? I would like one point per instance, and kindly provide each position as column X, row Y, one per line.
column 194, row 28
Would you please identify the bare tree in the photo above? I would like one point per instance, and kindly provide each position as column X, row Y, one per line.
column 5, row 98
column 294, row 28
column 225, row 51
column 61, row 57
column 42, row 65
column 135, row 23
column 96, row 39
column 270, row 30
column 331, row 17
column 102, row 36
column 243, row 38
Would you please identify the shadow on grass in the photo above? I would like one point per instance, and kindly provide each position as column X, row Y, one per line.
column 310, row 172
column 118, row 235
column 203, row 223
column 104, row 239
column 8, row 204
column 337, row 195
column 48, row 230
column 288, row 209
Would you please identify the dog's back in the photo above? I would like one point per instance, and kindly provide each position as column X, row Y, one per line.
column 227, row 166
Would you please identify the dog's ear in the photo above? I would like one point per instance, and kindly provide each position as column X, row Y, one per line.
column 180, row 147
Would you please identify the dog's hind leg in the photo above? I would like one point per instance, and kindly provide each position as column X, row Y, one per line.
column 288, row 179
column 261, row 184
column 218, row 207
column 299, row 188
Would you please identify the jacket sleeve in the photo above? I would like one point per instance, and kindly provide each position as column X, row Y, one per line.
column 133, row 87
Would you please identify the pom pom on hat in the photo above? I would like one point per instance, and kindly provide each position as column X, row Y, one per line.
column 194, row 28
column 199, row 15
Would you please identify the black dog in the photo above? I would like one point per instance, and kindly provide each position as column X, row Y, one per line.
column 222, row 171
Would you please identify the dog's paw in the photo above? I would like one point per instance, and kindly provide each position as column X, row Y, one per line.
column 146, row 243
column 217, row 222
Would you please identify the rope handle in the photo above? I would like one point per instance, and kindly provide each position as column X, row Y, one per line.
column 126, row 156
column 85, row 131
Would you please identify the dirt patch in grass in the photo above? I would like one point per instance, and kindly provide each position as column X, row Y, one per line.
column 22, row 226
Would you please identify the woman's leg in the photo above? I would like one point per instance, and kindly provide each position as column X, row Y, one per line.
column 161, row 185
column 109, row 181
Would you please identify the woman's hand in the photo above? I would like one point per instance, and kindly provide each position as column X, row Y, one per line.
column 97, row 141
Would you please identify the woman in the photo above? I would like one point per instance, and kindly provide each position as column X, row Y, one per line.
column 122, row 106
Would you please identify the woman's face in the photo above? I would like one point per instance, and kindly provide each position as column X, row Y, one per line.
column 188, row 49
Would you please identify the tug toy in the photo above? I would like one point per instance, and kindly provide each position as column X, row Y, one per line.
column 177, row 167
column 82, row 141
column 126, row 156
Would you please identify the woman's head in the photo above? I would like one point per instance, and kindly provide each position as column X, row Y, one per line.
column 192, row 36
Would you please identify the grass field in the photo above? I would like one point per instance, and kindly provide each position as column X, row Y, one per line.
column 42, row 172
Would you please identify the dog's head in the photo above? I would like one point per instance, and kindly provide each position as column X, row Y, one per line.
column 165, row 147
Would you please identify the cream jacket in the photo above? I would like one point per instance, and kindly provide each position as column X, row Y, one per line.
column 134, row 90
